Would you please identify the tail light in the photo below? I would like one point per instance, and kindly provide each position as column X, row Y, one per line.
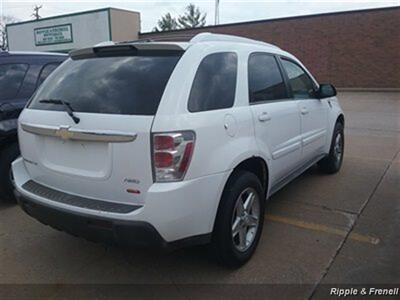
column 171, row 155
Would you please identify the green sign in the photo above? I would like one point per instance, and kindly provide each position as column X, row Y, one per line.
column 51, row 35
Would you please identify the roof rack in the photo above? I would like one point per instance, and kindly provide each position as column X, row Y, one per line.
column 212, row 37
column 147, row 40
column 170, row 38
column 192, row 39
column 176, row 38
column 105, row 43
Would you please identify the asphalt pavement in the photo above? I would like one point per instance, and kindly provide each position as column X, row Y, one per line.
column 320, row 231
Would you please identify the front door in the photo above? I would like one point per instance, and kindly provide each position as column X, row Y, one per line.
column 313, row 111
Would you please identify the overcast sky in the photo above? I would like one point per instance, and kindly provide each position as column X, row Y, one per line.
column 230, row 10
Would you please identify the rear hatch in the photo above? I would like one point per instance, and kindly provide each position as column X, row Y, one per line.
column 87, row 129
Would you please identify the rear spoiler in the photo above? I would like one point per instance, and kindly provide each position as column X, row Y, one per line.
column 163, row 49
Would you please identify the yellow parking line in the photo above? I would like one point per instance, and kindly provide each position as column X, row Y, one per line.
column 364, row 238
column 323, row 228
column 369, row 158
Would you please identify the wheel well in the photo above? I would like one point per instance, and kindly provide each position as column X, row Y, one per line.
column 257, row 166
column 340, row 119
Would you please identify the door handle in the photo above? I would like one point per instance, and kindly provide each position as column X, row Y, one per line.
column 304, row 111
column 264, row 116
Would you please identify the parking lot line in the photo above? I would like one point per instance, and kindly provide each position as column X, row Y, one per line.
column 369, row 158
column 323, row 228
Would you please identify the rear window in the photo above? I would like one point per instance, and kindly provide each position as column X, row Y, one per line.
column 11, row 78
column 128, row 85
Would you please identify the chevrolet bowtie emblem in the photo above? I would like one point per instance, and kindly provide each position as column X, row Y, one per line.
column 64, row 133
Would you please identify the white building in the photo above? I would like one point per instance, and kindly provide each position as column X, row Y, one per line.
column 66, row 32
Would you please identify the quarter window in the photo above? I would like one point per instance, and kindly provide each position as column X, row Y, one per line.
column 265, row 79
column 214, row 85
column 301, row 84
column 46, row 71
column 11, row 78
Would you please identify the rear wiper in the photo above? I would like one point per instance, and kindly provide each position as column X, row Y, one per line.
column 66, row 105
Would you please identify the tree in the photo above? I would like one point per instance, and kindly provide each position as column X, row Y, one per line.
column 3, row 33
column 167, row 22
column 192, row 17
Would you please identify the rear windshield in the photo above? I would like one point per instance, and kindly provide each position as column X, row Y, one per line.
column 128, row 85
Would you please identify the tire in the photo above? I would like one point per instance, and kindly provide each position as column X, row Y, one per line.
column 333, row 162
column 232, row 250
column 8, row 154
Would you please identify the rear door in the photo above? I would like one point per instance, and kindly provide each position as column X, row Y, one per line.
column 12, row 76
column 313, row 111
column 276, row 117
column 107, row 153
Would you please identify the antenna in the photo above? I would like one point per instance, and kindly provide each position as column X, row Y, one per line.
column 216, row 20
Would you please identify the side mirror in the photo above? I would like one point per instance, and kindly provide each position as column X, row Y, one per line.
column 326, row 91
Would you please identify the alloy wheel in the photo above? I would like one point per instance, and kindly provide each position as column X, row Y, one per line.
column 338, row 148
column 245, row 219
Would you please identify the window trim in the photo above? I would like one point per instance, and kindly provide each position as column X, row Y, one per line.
column 23, row 78
column 236, row 82
column 283, row 75
column 314, row 83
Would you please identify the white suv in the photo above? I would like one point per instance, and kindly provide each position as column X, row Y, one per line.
column 172, row 144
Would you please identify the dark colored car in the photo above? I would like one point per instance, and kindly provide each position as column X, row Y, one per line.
column 20, row 75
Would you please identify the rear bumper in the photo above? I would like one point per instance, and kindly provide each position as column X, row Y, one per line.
column 173, row 214
column 106, row 230
column 91, row 228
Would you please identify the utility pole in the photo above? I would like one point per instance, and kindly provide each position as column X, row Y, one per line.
column 36, row 12
column 216, row 20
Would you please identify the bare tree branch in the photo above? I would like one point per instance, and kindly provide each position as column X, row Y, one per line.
column 3, row 33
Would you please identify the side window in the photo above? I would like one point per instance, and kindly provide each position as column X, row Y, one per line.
column 46, row 71
column 214, row 85
column 265, row 79
column 11, row 78
column 301, row 84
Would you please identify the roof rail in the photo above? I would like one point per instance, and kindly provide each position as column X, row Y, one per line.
column 170, row 38
column 105, row 43
column 146, row 40
column 212, row 37
column 176, row 37
column 192, row 39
